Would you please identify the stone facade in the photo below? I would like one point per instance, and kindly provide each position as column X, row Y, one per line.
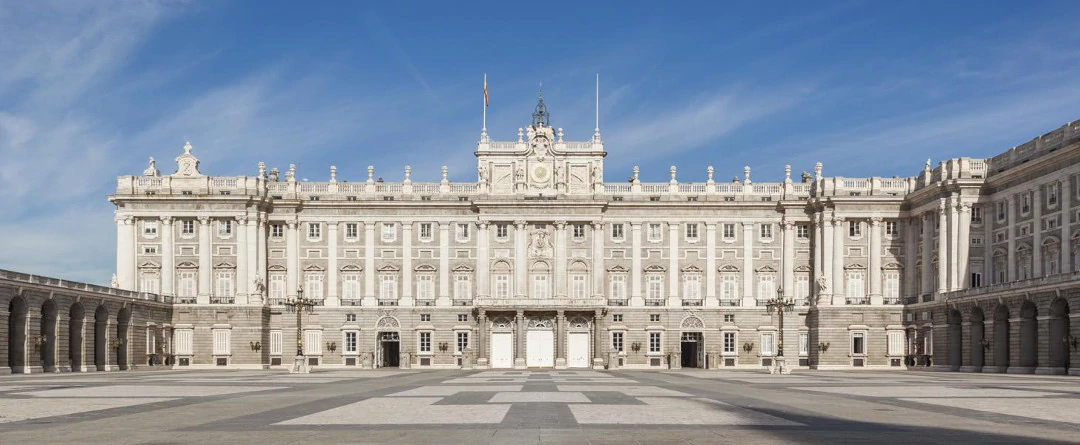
column 540, row 262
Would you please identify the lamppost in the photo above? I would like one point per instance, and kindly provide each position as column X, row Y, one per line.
column 298, row 305
column 780, row 305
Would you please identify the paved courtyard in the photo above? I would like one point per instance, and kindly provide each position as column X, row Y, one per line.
column 508, row 407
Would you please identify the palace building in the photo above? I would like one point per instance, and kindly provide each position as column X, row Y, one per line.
column 968, row 265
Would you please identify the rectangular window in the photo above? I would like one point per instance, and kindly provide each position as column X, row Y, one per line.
column 276, row 231
column 389, row 232
column 1001, row 210
column 976, row 279
column 854, row 229
column 617, row 341
column 891, row 290
column 425, row 342
column 729, row 318
column 425, row 317
column 151, row 339
column 350, row 342
column 183, row 341
column 277, row 285
column 314, row 231
column 579, row 286
column 1025, row 203
column 804, row 343
column 224, row 228
column 275, row 342
column 729, row 343
column 221, row 342
column 186, row 284
column 617, row 232
column 976, row 215
column 802, row 287
column 501, row 231
column 766, row 287
column 765, row 231
column 618, row 286
column 579, row 232
column 425, row 231
column 768, row 343
column 655, row 234
column 150, row 229
column 223, row 285
column 729, row 286
column 896, row 343
column 462, row 342
column 425, row 287
column 858, row 343
column 313, row 342
column 463, row 232
column 149, row 283
column 462, row 287
column 463, row 317
column 654, row 318
column 802, row 231
column 692, row 231
column 692, row 286
column 350, row 286
column 890, row 228
column 187, row 227
column 350, row 317
column 502, row 286
column 655, row 287
column 352, row 231
column 1051, row 195
column 313, row 285
column 855, row 286
column 654, row 342
column 387, row 287
column 540, row 286
column 729, row 231
column 149, row 250
column 616, row 318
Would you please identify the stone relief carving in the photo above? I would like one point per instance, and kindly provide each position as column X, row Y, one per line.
column 541, row 323
column 540, row 247
column 387, row 322
column 502, row 323
column 693, row 322
column 578, row 322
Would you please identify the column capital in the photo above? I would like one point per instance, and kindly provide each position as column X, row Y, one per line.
column 406, row 226
column 262, row 218
column 520, row 314
column 942, row 208
column 123, row 219
column 963, row 207
column 837, row 221
column 520, row 224
column 560, row 313
column 291, row 223
column 166, row 220
column 481, row 313
column 204, row 220
column 787, row 224
column 242, row 219
column 482, row 224
column 876, row 221
column 747, row 225
column 597, row 225
column 560, row 224
column 332, row 225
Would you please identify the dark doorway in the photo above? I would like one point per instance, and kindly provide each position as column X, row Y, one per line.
column 101, row 336
column 48, row 336
column 691, row 350
column 1029, row 335
column 1001, row 337
column 389, row 350
column 1059, row 334
column 955, row 338
column 123, row 322
column 75, row 337
column 17, row 335
column 978, row 339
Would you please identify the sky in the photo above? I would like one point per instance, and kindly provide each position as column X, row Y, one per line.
column 90, row 89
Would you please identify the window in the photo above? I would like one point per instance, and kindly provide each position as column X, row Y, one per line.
column 389, row 232
column 896, row 342
column 276, row 231
column 540, row 286
column 618, row 286
column 350, row 342
column 768, row 343
column 350, row 317
column 729, row 231
column 890, row 228
column 1001, row 211
column 617, row 232
column 224, row 228
column 150, row 229
column 462, row 342
column 656, row 234
column 891, row 290
column 187, row 227
column 149, row 250
column 275, row 342
column 692, row 286
column 221, row 342
column 729, row 343
column 655, row 287
column 425, row 342
column 617, row 341
column 654, row 318
column 854, row 286
column 500, row 231
column 223, row 284
column 579, row 286
column 804, row 343
column 1025, row 203
column 425, row 231
column 692, row 231
column 186, row 284
column 313, row 285
column 654, row 342
column 616, row 318
column 425, row 317
column 729, row 318
column 729, row 286
column 802, row 286
column 463, row 317
column 766, row 287
column 976, row 279
column 765, row 231
column 579, row 232
column 182, row 341
column 802, row 231
column 387, row 287
column 150, row 340
column 350, row 286
column 149, row 283
column 976, row 215
column 858, row 343
column 313, row 342
column 314, row 231
column 463, row 232
column 854, row 229
column 352, row 231
column 502, row 286
column 462, row 287
column 425, row 286
column 1051, row 195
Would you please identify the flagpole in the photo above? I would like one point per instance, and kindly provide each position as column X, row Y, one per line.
column 483, row 131
column 596, row 131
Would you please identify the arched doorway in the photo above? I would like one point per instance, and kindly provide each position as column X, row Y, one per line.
column 1059, row 334
column 1029, row 336
column 101, row 337
column 955, row 337
column 1001, row 337
column 978, row 339
column 47, row 348
column 388, row 343
column 17, row 335
column 123, row 322
column 75, row 337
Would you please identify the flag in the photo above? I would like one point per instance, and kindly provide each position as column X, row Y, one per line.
column 485, row 91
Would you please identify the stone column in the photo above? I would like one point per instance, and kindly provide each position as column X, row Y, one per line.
column 1036, row 228
column 253, row 230
column 674, row 293
column 408, row 285
column 911, row 251
column 953, row 265
column 827, row 260
column 749, row 292
column 964, row 246
column 988, row 245
column 788, row 263
column 1011, row 224
column 481, row 334
column 560, row 339
column 520, row 269
column 260, row 250
column 1066, row 193
column 292, row 255
column 483, row 259
column 125, row 253
column 927, row 285
column 168, row 257
column 444, row 259
column 636, row 297
column 241, row 288
column 838, row 261
column 598, row 339
column 206, row 269
column 710, row 265
column 598, row 266
column 370, row 293
column 943, row 250
column 560, row 259
column 519, row 350
column 332, row 297
column 875, row 261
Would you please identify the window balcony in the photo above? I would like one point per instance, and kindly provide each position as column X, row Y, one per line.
column 186, row 300
column 387, row 302
column 691, row 303
column 350, row 301
column 891, row 300
column 654, row 302
column 222, row 300
column 277, row 301
column 731, row 302
column 616, row 302
column 858, row 300
column 425, row 302
column 463, row 302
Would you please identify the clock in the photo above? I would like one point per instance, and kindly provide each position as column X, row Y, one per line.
column 540, row 173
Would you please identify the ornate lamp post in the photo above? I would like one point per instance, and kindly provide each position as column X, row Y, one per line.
column 780, row 305
column 299, row 305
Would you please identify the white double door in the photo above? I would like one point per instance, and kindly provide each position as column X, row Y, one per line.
column 577, row 349
column 502, row 350
column 540, row 348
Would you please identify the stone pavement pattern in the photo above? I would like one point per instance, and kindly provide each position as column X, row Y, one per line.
column 508, row 407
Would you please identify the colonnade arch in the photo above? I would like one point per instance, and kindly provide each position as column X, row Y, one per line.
column 955, row 338
column 17, row 312
column 1029, row 335
column 101, row 337
column 47, row 344
column 1059, row 334
column 978, row 338
column 1001, row 337
column 76, row 320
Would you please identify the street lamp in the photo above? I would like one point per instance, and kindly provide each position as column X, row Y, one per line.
column 780, row 305
column 299, row 305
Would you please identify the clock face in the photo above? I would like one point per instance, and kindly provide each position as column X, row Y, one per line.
column 540, row 173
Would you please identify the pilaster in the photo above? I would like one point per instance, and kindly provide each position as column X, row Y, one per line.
column 332, row 295
column 1036, row 228
column 292, row 255
column 788, row 264
column 408, row 285
column 241, row 288
column 673, row 292
column 710, row 265
column 636, row 297
column 1011, row 252
column 749, row 291
column 483, row 258
column 598, row 266
column 1066, row 194
column 838, row 262
column 943, row 249
column 560, row 259
column 369, row 265
column 205, row 258
column 827, row 261
column 443, row 299
column 168, row 257
column 520, row 269
column 875, row 261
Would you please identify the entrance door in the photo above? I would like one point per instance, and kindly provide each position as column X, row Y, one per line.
column 692, row 350
column 502, row 350
column 389, row 350
column 577, row 350
column 540, row 349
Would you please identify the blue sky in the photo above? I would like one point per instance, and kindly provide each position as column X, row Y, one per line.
column 90, row 89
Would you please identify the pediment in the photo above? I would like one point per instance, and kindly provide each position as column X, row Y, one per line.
column 388, row 268
column 728, row 268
